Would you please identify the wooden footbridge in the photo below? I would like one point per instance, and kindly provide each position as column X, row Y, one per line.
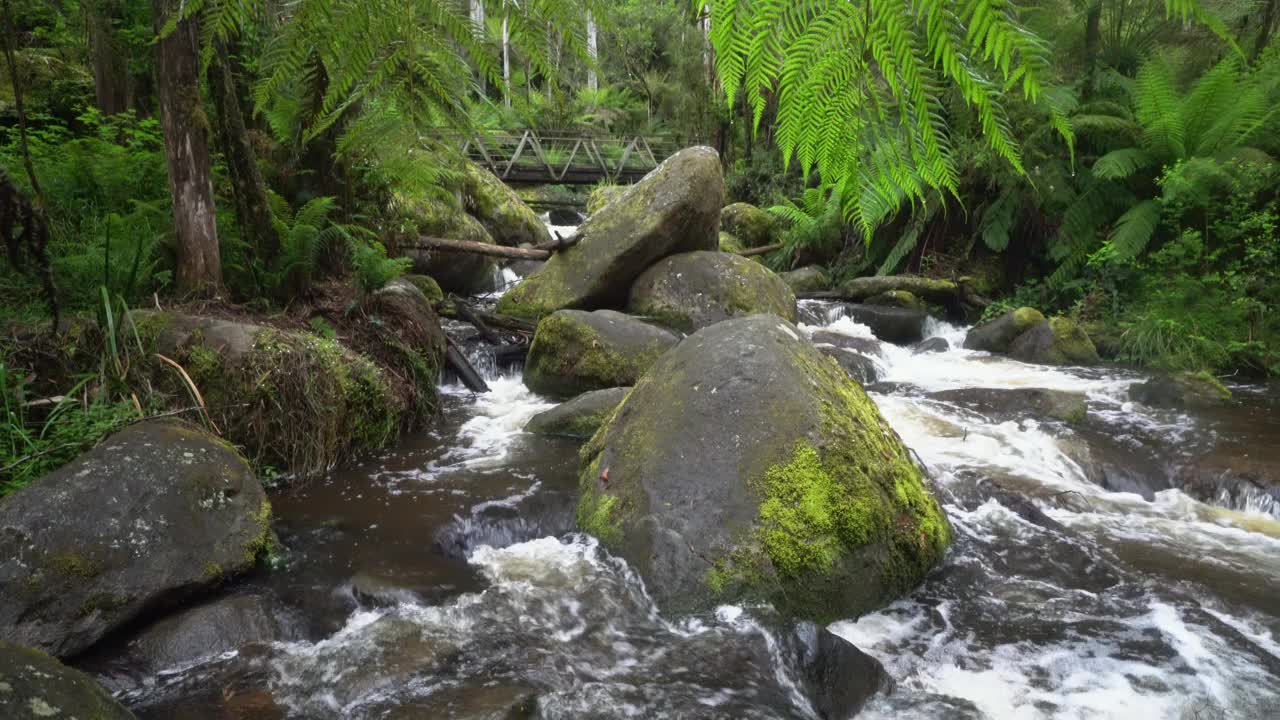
column 530, row 156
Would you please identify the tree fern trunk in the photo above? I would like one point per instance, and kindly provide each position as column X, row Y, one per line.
column 1092, row 40
column 1269, row 16
column 506, row 62
column 186, row 149
column 253, row 213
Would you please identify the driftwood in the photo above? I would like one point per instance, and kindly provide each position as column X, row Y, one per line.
column 760, row 250
column 458, row 362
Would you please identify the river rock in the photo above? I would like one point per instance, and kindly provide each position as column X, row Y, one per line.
column 932, row 345
column 693, row 290
column 809, row 278
column 898, row 299
column 864, row 345
column 500, row 210
column 207, row 631
column 1016, row 403
column 751, row 225
column 575, row 351
column 603, row 195
column 674, row 209
column 428, row 286
column 940, row 292
column 156, row 513
column 462, row 273
column 837, row 677
column 1181, row 390
column 34, row 685
column 730, row 244
column 1059, row 341
column 1236, row 476
column 414, row 343
column 998, row 335
column 896, row 325
column 747, row 466
column 579, row 417
column 859, row 366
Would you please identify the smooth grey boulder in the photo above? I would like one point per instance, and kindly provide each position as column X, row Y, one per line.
column 865, row 345
column 900, row 326
column 747, row 466
column 838, row 678
column 809, row 278
column 35, row 686
column 674, row 209
column 579, row 417
column 1017, row 403
column 156, row 513
column 1181, row 390
column 693, row 290
column 206, row 631
column 749, row 224
column 1059, row 341
column 505, row 217
column 859, row 366
column 575, row 351
column 932, row 345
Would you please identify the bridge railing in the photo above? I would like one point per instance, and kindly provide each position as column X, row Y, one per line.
column 533, row 156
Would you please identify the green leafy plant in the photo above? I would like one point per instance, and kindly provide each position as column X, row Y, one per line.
column 373, row 269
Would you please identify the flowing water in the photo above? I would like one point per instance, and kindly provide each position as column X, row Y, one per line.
column 444, row 580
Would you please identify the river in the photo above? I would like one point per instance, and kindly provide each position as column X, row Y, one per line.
column 443, row 579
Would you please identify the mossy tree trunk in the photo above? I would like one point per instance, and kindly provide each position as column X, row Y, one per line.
column 113, row 90
column 248, row 189
column 198, row 269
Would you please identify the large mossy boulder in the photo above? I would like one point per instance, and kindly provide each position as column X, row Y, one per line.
column 693, row 290
column 1181, row 390
column 810, row 278
column 462, row 273
column 747, row 466
column 674, row 209
column 939, row 292
column 296, row 402
column 34, row 686
column 1059, row 341
column 574, row 351
column 602, row 195
column 751, row 225
column 998, row 335
column 500, row 210
column 580, row 417
column 410, row 340
column 729, row 243
column 156, row 513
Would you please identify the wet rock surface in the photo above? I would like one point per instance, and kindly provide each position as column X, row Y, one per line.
column 574, row 352
column 579, row 417
column 900, row 326
column 152, row 516
column 690, row 291
column 34, row 685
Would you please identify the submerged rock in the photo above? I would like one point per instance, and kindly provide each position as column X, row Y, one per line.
column 1181, row 390
column 575, row 351
column 864, row 345
column 744, row 466
column 579, row 417
column 1059, row 341
column 998, row 335
column 34, row 685
column 1237, row 477
column 295, row 401
column 500, row 210
column 932, row 345
column 153, row 515
column 693, row 290
column 673, row 209
column 1016, row 403
column 751, row 225
column 809, row 278
column 896, row 325
column 203, row 632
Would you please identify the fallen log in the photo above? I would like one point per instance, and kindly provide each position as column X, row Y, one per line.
column 466, row 313
column 760, row 250
column 478, row 248
column 466, row 372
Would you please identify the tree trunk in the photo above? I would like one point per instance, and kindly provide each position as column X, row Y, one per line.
column 477, row 19
column 1269, row 17
column 111, row 84
column 253, row 213
column 506, row 63
column 1092, row 40
column 186, row 150
column 593, row 55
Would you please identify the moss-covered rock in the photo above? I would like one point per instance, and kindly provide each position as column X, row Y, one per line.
column 409, row 340
column 34, row 685
column 904, row 299
column 575, row 351
column 602, row 195
column 729, row 243
column 296, row 402
column 462, row 273
column 998, row 334
column 673, row 209
column 932, row 290
column 130, row 526
column 693, row 290
column 1181, row 390
column 810, row 278
column 499, row 209
column 751, row 225
column 580, row 417
column 747, row 466
column 1059, row 341
column 428, row 286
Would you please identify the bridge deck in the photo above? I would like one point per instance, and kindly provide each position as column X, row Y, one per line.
column 526, row 156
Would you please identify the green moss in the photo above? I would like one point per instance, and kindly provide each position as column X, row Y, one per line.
column 213, row 571
column 263, row 546
column 1071, row 342
column 102, row 601
column 601, row 196
column 1024, row 318
column 730, row 244
column 568, row 356
column 751, row 225
column 73, row 563
column 429, row 287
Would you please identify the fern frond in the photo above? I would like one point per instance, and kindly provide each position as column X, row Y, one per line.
column 1134, row 230
column 1122, row 163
